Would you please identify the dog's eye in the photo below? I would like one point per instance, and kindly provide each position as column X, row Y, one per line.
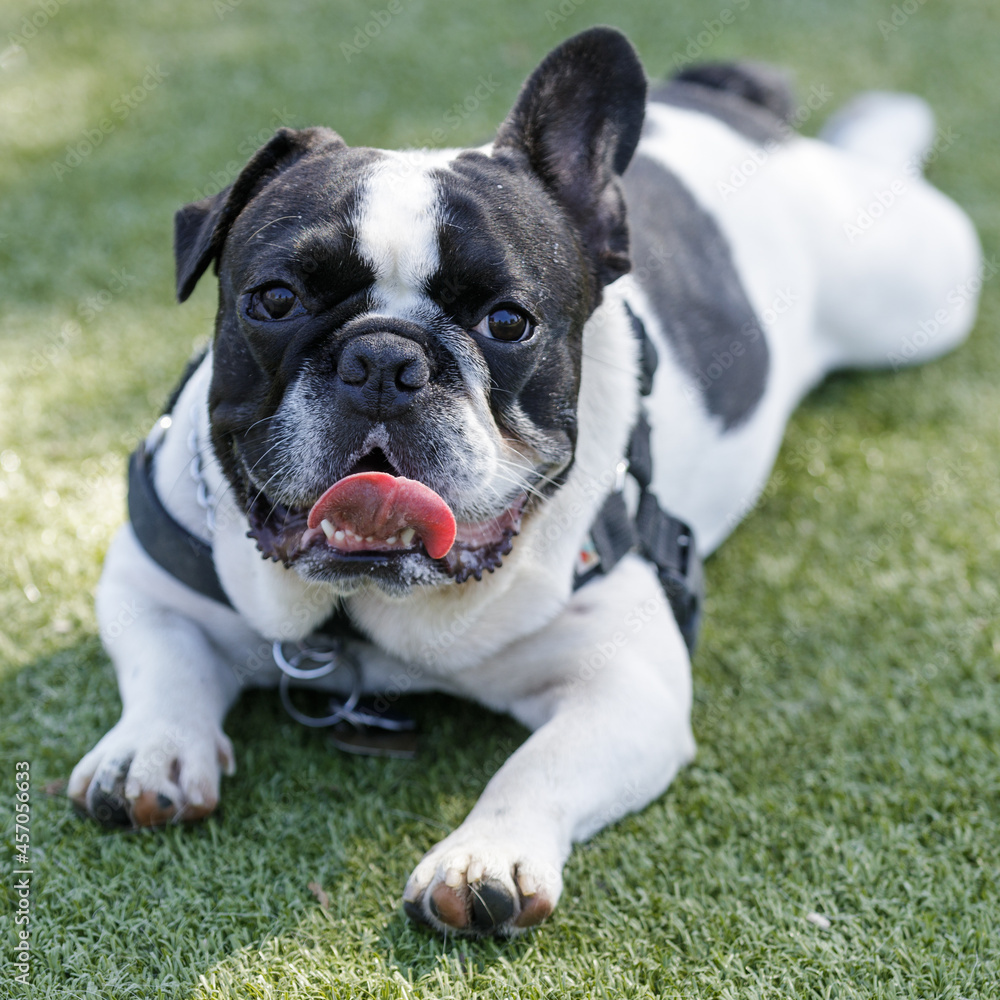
column 276, row 302
column 506, row 323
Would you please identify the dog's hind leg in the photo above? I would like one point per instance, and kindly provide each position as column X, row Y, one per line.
column 898, row 264
column 896, row 130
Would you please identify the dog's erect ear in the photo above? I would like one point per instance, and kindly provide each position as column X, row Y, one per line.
column 578, row 120
column 200, row 229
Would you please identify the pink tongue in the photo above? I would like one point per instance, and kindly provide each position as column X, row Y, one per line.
column 377, row 505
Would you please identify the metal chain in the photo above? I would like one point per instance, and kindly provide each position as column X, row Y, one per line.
column 327, row 661
column 205, row 499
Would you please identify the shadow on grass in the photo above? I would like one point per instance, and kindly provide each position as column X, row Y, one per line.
column 150, row 912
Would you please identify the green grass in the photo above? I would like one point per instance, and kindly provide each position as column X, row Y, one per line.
column 847, row 681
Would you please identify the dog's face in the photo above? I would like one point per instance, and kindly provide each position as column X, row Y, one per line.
column 398, row 342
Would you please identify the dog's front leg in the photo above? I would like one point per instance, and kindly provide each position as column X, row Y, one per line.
column 162, row 760
column 606, row 689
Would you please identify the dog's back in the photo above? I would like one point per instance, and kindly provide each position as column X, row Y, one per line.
column 762, row 260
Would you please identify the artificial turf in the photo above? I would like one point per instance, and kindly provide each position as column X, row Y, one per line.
column 847, row 700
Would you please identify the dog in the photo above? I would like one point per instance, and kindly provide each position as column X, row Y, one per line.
column 484, row 410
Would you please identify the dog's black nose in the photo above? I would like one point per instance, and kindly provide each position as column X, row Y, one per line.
column 383, row 373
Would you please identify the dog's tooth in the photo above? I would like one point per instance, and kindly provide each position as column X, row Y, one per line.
column 327, row 527
column 370, row 538
column 391, row 540
column 339, row 536
column 406, row 537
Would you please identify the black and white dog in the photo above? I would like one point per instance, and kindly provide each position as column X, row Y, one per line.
column 426, row 378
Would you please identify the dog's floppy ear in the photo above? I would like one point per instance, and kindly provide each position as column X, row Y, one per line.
column 200, row 229
column 578, row 120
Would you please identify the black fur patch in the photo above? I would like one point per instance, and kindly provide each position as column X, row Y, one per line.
column 753, row 98
column 502, row 239
column 682, row 261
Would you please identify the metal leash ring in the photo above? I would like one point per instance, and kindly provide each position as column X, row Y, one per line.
column 326, row 658
column 330, row 660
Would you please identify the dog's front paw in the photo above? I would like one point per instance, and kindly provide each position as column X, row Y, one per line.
column 476, row 884
column 150, row 771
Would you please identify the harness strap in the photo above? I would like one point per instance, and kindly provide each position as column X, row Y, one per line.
column 169, row 544
column 666, row 541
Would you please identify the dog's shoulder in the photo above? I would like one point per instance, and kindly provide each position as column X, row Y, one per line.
column 684, row 268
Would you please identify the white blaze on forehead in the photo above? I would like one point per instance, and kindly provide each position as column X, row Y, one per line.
column 397, row 226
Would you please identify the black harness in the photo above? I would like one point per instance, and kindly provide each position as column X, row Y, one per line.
column 663, row 540
column 183, row 555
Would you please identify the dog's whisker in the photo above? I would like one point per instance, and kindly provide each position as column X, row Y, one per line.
column 263, row 491
column 277, row 444
column 516, row 481
column 530, row 469
column 608, row 364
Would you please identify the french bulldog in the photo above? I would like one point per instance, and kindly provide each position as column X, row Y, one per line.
column 422, row 394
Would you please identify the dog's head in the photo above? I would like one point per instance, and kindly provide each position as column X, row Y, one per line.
column 398, row 342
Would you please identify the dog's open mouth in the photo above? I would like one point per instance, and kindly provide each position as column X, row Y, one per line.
column 374, row 516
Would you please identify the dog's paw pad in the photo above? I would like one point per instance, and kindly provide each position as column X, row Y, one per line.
column 492, row 892
column 415, row 912
column 152, row 809
column 449, row 906
column 534, row 911
column 492, row 906
column 105, row 796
